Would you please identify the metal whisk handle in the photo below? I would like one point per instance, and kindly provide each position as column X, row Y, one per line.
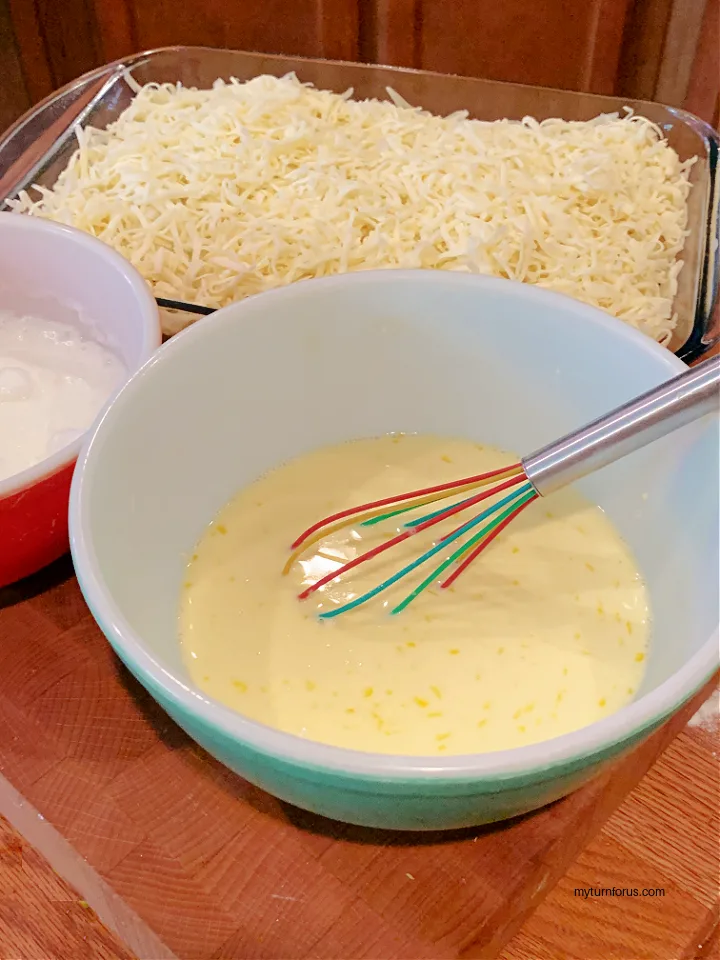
column 653, row 415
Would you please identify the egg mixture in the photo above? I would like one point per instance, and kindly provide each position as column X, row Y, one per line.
column 544, row 633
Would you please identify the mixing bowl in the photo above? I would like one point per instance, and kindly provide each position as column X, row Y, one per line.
column 42, row 263
column 361, row 355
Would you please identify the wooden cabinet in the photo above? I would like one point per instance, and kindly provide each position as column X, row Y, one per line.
column 307, row 28
column 574, row 44
column 703, row 90
column 601, row 46
column 60, row 39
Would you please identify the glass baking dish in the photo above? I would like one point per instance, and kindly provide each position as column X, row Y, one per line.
column 37, row 147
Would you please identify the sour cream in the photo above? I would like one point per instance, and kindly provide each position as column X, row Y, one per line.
column 54, row 380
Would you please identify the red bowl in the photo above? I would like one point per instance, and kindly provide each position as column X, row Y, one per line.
column 34, row 525
column 40, row 261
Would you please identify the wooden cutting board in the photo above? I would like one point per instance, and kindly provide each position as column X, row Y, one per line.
column 213, row 867
column 644, row 842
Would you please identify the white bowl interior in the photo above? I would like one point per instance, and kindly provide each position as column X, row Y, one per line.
column 86, row 282
column 365, row 354
column 50, row 270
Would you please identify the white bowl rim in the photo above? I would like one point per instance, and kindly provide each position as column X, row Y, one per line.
column 151, row 337
column 534, row 759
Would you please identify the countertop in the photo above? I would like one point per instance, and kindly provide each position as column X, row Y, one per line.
column 665, row 835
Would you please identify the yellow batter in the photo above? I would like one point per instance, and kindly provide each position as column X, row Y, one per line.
column 544, row 633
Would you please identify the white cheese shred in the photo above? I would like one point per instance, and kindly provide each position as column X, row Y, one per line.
column 218, row 194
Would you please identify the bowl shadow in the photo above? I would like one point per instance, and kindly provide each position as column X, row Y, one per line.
column 375, row 836
column 49, row 577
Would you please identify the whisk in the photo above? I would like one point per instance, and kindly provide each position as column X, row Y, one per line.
column 654, row 414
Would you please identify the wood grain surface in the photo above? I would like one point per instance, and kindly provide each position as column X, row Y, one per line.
column 703, row 94
column 41, row 916
column 572, row 46
column 220, row 870
column 645, row 843
column 666, row 835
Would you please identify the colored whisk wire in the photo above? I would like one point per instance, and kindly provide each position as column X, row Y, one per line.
column 375, row 511
column 381, row 548
column 494, row 519
column 515, row 502
column 478, row 541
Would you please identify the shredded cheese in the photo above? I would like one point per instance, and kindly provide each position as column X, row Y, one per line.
column 218, row 194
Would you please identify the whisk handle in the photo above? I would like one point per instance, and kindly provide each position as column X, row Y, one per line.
column 653, row 415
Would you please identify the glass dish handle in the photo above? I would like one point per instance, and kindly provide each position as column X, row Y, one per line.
column 32, row 142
